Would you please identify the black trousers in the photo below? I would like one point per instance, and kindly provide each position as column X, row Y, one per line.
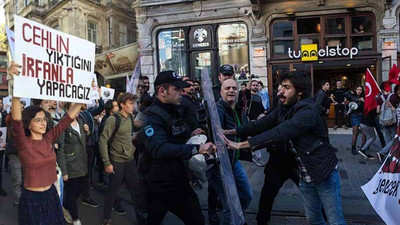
column 74, row 188
column 278, row 170
column 99, row 163
column 90, row 152
column 212, row 199
column 183, row 202
column 339, row 114
column 123, row 171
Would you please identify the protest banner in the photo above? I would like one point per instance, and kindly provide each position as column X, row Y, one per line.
column 382, row 190
column 55, row 65
column 107, row 93
column 3, row 138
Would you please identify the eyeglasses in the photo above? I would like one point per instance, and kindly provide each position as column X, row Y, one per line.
column 40, row 120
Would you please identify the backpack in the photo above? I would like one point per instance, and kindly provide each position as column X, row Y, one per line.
column 116, row 128
column 387, row 116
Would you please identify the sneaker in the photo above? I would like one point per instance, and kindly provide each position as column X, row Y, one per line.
column 196, row 184
column 353, row 151
column 370, row 156
column 102, row 184
column 380, row 157
column 213, row 218
column 118, row 209
column 67, row 215
column 90, row 202
column 259, row 162
column 77, row 222
column 344, row 127
column 107, row 222
column 361, row 152
column 335, row 127
column 3, row 192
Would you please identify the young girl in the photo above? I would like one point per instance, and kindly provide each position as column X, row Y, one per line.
column 39, row 203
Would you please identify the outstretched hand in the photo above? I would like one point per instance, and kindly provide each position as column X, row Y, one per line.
column 14, row 69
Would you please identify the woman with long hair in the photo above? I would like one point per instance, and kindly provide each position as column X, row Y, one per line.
column 356, row 115
column 39, row 202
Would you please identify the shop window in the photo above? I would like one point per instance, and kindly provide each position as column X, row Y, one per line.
column 308, row 26
column 171, row 51
column 281, row 47
column 309, row 40
column 233, row 47
column 335, row 26
column 333, row 42
column 361, row 24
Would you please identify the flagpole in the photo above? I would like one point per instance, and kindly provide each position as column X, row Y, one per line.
column 375, row 81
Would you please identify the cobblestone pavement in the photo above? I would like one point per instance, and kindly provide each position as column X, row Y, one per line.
column 354, row 171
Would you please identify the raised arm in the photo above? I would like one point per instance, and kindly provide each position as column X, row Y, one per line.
column 75, row 110
column 15, row 102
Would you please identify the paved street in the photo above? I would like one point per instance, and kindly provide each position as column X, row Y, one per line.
column 288, row 209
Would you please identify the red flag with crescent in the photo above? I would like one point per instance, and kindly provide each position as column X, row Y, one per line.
column 371, row 90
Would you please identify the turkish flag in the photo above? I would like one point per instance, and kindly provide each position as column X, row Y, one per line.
column 371, row 90
column 393, row 75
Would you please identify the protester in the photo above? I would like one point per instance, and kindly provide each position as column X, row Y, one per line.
column 197, row 89
column 3, row 116
column 72, row 159
column 389, row 122
column 323, row 103
column 163, row 179
column 225, row 72
column 356, row 116
column 39, row 202
column 230, row 118
column 339, row 100
column 303, row 129
column 263, row 93
column 116, row 151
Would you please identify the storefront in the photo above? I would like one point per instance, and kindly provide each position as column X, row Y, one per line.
column 329, row 48
column 189, row 49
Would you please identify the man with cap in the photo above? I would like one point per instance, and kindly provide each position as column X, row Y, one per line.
column 225, row 72
column 162, row 175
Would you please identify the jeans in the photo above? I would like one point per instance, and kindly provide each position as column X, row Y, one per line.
column 242, row 185
column 370, row 134
column 388, row 133
column 387, row 148
column 326, row 194
column 16, row 174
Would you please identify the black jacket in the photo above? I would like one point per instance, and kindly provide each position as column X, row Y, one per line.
column 303, row 125
column 188, row 109
column 322, row 101
column 161, row 162
column 228, row 121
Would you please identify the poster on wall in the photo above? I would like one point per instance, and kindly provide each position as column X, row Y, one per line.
column 55, row 65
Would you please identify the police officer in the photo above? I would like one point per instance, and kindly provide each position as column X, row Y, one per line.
column 162, row 176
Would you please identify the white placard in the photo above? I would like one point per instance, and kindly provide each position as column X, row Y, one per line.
column 55, row 65
column 7, row 103
column 3, row 137
column 107, row 93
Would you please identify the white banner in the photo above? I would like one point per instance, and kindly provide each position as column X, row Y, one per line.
column 382, row 190
column 107, row 93
column 55, row 65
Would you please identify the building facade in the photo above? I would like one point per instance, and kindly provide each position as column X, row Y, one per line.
column 110, row 24
column 329, row 39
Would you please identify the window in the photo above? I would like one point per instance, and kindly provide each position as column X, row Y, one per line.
column 362, row 32
column 171, row 51
column 282, row 37
column 345, row 31
column 92, row 31
column 233, row 47
column 122, row 34
column 26, row 2
column 3, row 61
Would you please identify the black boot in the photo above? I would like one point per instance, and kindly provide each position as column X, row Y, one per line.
column 353, row 150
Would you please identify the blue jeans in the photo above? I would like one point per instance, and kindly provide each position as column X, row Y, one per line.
column 242, row 184
column 327, row 194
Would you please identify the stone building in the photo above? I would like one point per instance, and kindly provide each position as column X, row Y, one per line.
column 264, row 37
column 110, row 24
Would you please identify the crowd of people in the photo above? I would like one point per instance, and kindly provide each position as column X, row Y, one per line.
column 140, row 140
column 349, row 112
